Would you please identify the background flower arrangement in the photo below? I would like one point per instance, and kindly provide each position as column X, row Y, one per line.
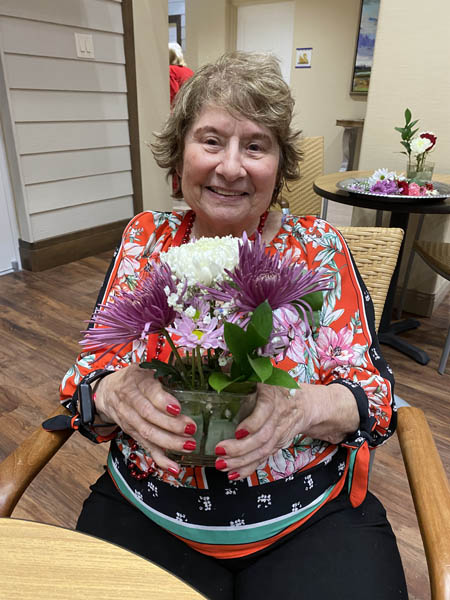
column 417, row 181
column 417, row 148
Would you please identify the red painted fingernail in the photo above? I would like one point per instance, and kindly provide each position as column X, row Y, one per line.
column 190, row 429
column 220, row 451
column 173, row 470
column 241, row 433
column 221, row 464
column 173, row 409
column 189, row 445
column 233, row 475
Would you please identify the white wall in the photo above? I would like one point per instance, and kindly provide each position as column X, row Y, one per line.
column 411, row 69
column 322, row 92
column 207, row 31
column 65, row 118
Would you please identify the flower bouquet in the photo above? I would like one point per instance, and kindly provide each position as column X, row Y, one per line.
column 417, row 149
column 222, row 305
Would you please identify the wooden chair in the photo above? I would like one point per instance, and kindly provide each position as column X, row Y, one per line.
column 376, row 259
column 299, row 194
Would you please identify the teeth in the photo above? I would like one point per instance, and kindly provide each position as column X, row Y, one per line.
column 226, row 192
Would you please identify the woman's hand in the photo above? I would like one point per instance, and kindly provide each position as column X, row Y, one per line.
column 134, row 400
column 321, row 412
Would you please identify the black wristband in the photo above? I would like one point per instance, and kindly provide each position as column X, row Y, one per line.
column 82, row 401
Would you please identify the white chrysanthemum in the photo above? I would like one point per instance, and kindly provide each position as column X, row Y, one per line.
column 203, row 261
column 190, row 312
column 381, row 175
column 420, row 145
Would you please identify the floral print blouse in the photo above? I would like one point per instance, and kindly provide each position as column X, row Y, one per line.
column 342, row 349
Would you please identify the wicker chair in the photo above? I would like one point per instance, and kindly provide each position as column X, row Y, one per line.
column 376, row 260
column 299, row 194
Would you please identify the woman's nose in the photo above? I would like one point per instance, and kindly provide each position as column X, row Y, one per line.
column 231, row 166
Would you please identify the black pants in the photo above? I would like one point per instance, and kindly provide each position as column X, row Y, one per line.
column 341, row 553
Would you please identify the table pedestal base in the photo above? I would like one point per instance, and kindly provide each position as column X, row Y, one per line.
column 391, row 338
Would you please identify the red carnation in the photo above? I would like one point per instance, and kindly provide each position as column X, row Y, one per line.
column 404, row 187
column 429, row 136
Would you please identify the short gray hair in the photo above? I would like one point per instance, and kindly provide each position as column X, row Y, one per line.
column 245, row 84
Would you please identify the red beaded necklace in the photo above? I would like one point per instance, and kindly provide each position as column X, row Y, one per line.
column 190, row 224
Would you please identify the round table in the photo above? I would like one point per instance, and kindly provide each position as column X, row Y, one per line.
column 325, row 186
column 44, row 562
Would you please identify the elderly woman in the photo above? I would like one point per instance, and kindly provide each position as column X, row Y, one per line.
column 285, row 512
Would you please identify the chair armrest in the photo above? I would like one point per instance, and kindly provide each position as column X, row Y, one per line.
column 431, row 494
column 19, row 469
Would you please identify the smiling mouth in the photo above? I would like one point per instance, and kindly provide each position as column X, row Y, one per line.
column 222, row 192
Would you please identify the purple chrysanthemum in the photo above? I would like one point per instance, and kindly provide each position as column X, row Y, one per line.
column 385, row 186
column 133, row 315
column 259, row 277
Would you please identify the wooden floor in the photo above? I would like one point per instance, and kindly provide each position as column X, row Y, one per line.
column 41, row 317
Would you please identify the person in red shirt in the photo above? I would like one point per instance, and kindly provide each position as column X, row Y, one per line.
column 178, row 71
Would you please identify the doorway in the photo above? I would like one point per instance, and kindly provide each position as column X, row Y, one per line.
column 268, row 27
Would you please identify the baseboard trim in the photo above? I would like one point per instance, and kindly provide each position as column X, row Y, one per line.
column 422, row 303
column 62, row 249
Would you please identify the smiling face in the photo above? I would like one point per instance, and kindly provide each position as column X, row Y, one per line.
column 229, row 172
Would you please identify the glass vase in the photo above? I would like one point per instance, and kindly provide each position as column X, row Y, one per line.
column 216, row 417
column 420, row 175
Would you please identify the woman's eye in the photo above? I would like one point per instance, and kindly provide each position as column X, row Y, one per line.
column 254, row 147
column 211, row 142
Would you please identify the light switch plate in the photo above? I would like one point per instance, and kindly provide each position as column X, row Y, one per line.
column 84, row 45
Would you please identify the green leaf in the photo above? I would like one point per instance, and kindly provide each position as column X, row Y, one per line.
column 314, row 299
column 413, row 123
column 219, row 381
column 254, row 339
column 161, row 369
column 262, row 367
column 236, row 340
column 241, row 387
column 280, row 377
column 235, row 371
column 405, row 145
column 400, row 129
column 407, row 115
column 262, row 320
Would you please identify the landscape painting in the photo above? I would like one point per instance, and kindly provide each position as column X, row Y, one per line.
column 364, row 46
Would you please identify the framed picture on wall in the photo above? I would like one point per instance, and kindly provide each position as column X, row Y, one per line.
column 365, row 44
column 303, row 58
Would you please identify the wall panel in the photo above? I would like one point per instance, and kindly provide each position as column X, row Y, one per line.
column 43, row 197
column 50, row 105
column 76, row 218
column 37, row 168
column 93, row 14
column 39, row 73
column 33, row 138
column 46, row 39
